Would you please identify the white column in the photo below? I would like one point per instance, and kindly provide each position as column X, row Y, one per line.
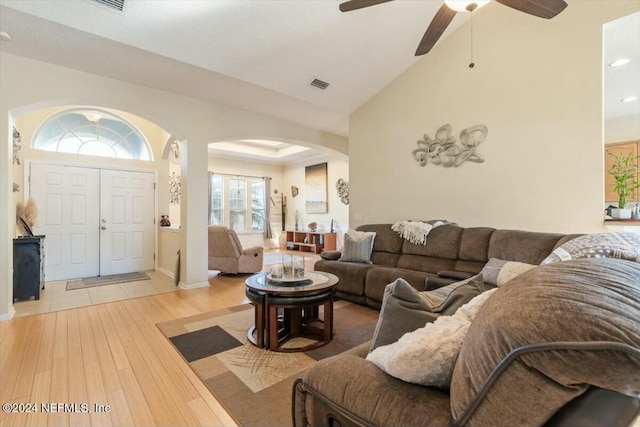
column 194, row 197
column 7, row 221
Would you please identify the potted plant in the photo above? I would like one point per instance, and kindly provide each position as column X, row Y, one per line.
column 625, row 174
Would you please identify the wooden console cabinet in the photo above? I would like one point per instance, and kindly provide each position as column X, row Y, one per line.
column 311, row 241
column 28, row 267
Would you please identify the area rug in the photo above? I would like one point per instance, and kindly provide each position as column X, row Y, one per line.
column 90, row 282
column 255, row 385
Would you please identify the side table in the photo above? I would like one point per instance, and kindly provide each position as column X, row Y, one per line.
column 288, row 310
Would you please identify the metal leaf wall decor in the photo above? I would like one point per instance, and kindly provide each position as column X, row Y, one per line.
column 443, row 149
column 342, row 187
column 174, row 188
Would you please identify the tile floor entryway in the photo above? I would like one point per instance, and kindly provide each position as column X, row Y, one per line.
column 55, row 297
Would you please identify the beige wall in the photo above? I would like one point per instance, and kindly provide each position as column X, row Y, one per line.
column 337, row 167
column 537, row 87
column 28, row 85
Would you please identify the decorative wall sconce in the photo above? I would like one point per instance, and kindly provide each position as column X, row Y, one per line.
column 443, row 150
column 343, row 190
column 17, row 145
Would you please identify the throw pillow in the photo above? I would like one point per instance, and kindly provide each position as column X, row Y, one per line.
column 405, row 309
column 357, row 246
column 497, row 272
column 441, row 340
column 622, row 245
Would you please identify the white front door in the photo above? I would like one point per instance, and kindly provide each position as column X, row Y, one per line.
column 97, row 222
column 67, row 199
column 127, row 239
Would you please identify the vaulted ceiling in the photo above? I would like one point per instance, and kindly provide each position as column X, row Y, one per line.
column 258, row 55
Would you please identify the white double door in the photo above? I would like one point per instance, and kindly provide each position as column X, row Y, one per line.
column 96, row 221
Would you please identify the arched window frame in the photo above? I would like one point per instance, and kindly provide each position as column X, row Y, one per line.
column 121, row 145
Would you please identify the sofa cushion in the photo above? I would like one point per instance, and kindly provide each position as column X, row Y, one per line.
column 386, row 240
column 357, row 246
column 359, row 387
column 474, row 245
column 404, row 309
column 378, row 278
column 442, row 242
column 351, row 276
column 441, row 340
column 497, row 272
column 580, row 301
column 624, row 245
column 524, row 246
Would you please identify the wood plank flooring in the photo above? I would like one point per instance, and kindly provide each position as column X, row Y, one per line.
column 110, row 354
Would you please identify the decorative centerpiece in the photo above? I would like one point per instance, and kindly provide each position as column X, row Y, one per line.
column 625, row 174
column 290, row 271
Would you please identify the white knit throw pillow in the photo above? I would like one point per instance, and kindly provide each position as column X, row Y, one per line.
column 440, row 340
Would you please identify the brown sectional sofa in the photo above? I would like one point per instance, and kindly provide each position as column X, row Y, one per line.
column 559, row 346
column 448, row 248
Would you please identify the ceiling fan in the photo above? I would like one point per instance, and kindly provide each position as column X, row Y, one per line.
column 541, row 8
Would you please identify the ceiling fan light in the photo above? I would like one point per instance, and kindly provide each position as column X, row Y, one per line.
column 465, row 6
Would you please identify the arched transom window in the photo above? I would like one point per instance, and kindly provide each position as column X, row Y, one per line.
column 92, row 132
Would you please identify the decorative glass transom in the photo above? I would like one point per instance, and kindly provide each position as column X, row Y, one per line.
column 92, row 133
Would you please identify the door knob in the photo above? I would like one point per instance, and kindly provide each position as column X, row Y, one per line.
column 104, row 221
column 103, row 228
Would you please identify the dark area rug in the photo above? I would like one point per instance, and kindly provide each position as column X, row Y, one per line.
column 255, row 385
column 90, row 282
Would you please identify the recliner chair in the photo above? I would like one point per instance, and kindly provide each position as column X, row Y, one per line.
column 226, row 253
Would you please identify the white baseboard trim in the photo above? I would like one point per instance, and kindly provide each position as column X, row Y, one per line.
column 193, row 285
column 165, row 271
column 9, row 315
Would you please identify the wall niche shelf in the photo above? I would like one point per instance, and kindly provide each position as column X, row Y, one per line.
column 311, row 241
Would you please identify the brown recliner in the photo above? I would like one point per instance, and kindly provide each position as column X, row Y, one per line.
column 226, row 253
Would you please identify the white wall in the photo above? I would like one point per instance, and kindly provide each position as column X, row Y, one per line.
column 28, row 85
column 536, row 85
column 283, row 177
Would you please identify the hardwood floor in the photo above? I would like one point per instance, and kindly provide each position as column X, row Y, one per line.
column 110, row 354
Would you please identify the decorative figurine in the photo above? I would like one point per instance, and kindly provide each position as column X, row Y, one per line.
column 164, row 221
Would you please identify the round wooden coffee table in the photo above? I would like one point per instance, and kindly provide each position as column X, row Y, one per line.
column 289, row 309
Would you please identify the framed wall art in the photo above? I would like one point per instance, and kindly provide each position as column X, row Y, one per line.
column 316, row 188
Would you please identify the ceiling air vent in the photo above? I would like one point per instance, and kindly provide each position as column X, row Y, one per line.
column 117, row 5
column 319, row 84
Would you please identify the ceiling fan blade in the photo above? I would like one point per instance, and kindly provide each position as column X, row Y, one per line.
column 437, row 26
column 359, row 4
column 543, row 9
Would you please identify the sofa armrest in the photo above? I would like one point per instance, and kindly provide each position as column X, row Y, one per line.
column 254, row 250
column 624, row 404
column 458, row 275
column 331, row 255
column 435, row 282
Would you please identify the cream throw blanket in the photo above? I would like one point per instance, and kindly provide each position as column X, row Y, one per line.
column 415, row 231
